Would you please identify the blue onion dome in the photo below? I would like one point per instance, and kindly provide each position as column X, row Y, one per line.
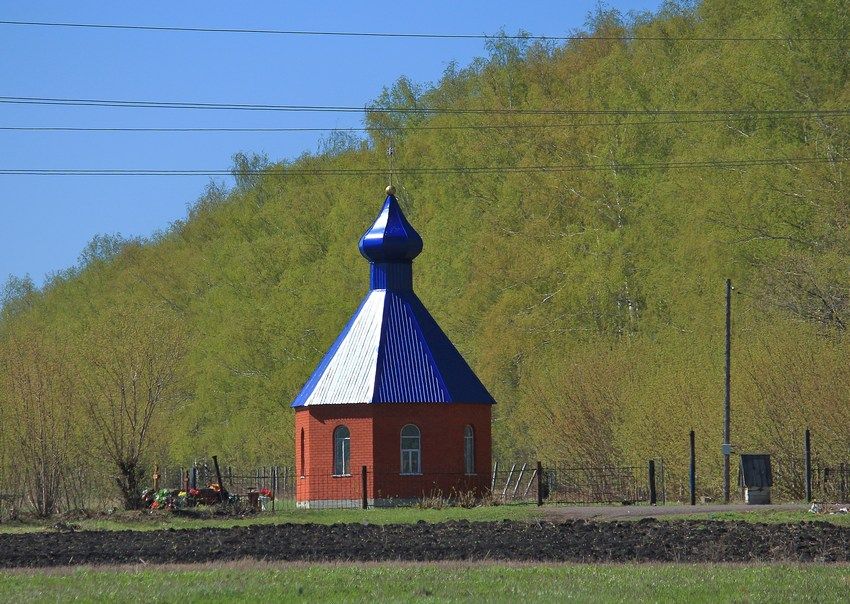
column 391, row 238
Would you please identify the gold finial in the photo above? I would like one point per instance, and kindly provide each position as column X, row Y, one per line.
column 391, row 190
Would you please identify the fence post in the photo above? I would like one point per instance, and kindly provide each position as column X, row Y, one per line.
column 219, row 479
column 365, row 503
column 539, row 483
column 274, row 485
column 693, row 469
column 653, row 497
column 807, row 465
column 663, row 472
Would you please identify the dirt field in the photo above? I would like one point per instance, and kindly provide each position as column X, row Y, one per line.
column 571, row 541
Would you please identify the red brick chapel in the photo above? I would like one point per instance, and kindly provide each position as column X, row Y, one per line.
column 392, row 394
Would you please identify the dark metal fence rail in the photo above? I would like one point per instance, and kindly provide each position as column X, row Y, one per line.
column 239, row 481
column 788, row 479
column 612, row 485
column 677, row 487
column 514, row 483
column 507, row 483
column 278, row 487
column 328, row 492
column 831, row 483
column 562, row 483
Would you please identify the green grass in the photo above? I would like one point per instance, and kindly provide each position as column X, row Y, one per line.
column 769, row 516
column 142, row 521
column 434, row 583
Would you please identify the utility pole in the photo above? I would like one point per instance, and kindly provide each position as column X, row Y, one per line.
column 727, row 401
column 692, row 473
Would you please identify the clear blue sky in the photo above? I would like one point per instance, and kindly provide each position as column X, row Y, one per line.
column 46, row 221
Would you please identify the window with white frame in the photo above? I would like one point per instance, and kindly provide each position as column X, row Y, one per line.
column 411, row 450
column 469, row 450
column 342, row 451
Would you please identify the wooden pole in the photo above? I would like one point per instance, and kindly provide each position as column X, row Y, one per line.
column 508, row 482
column 519, row 478
column 363, row 488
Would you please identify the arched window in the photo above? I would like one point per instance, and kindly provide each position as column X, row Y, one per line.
column 411, row 450
column 469, row 450
column 302, row 453
column 342, row 451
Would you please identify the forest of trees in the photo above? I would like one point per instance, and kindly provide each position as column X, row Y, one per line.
column 589, row 300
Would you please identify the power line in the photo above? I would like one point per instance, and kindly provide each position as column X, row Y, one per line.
column 401, row 110
column 420, row 36
column 700, row 164
column 403, row 128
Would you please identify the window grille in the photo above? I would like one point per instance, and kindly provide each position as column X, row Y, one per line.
column 342, row 451
column 411, row 450
column 468, row 450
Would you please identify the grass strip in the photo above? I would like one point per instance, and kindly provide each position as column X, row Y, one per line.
column 442, row 582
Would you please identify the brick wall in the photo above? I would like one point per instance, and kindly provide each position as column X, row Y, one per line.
column 375, row 443
column 441, row 428
column 318, row 425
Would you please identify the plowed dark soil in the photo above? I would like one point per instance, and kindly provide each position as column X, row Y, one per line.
column 573, row 541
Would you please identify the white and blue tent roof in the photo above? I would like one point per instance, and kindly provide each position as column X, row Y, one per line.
column 392, row 350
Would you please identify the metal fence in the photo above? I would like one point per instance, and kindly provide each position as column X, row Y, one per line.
column 279, row 481
column 275, row 487
column 515, row 485
column 555, row 483
column 384, row 489
column 610, row 485
column 563, row 483
column 831, row 483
